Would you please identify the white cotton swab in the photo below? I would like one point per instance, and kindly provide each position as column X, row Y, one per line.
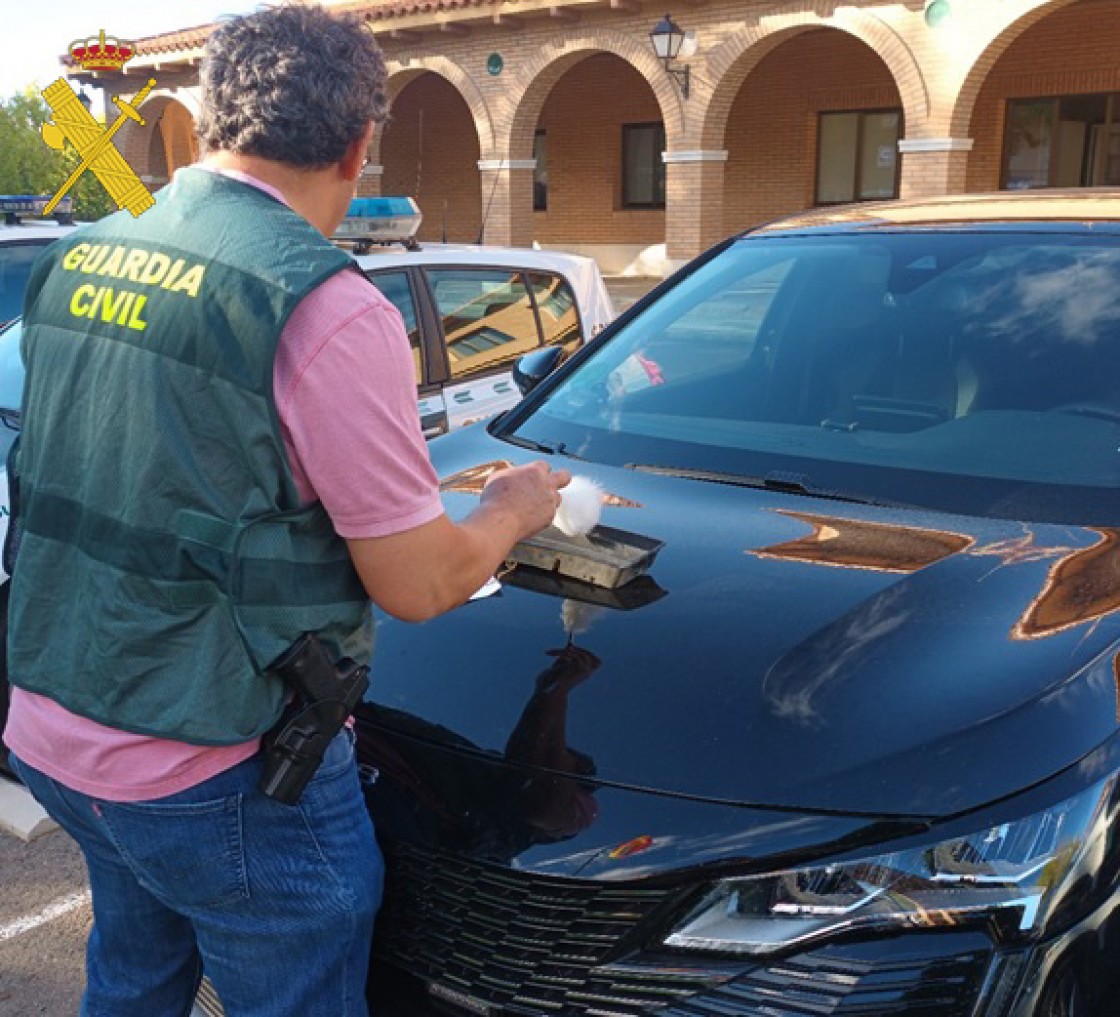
column 581, row 505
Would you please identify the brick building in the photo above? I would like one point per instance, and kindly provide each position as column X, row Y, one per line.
column 552, row 121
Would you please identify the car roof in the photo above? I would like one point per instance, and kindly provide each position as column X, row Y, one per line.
column 471, row 254
column 1099, row 207
column 40, row 229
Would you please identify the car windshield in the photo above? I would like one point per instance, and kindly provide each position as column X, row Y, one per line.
column 11, row 386
column 974, row 372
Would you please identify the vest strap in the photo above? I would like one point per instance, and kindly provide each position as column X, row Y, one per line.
column 207, row 530
column 260, row 573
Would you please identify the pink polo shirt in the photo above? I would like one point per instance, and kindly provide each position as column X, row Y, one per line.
column 346, row 395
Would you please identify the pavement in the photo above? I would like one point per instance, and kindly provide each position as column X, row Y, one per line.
column 44, row 913
column 624, row 290
column 20, row 814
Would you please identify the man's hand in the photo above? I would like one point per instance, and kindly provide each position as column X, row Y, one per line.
column 420, row 573
column 530, row 493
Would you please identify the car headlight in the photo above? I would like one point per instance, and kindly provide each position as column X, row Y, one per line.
column 1006, row 876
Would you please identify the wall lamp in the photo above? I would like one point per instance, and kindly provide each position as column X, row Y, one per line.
column 937, row 12
column 666, row 39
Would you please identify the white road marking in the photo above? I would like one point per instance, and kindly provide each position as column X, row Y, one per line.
column 56, row 909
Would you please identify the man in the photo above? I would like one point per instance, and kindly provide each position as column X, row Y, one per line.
column 221, row 451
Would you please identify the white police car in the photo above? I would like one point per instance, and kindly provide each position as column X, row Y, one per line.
column 11, row 388
column 472, row 311
column 23, row 234
column 22, row 237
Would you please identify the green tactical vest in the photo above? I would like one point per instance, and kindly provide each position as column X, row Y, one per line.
column 165, row 558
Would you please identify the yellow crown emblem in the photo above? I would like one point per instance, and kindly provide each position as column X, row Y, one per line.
column 101, row 54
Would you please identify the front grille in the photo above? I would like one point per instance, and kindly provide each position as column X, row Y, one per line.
column 520, row 942
column 507, row 942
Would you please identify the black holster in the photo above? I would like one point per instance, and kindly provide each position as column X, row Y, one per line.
column 325, row 694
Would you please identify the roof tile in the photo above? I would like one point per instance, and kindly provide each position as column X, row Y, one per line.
column 185, row 39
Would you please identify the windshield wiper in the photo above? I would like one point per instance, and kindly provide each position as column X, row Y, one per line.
column 548, row 448
column 787, row 483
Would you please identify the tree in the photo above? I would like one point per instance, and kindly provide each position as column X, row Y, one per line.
column 29, row 166
column 26, row 163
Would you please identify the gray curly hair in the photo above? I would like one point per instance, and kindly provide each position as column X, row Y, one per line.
column 293, row 84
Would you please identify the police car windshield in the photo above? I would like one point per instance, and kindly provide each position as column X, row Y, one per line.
column 15, row 267
column 11, row 374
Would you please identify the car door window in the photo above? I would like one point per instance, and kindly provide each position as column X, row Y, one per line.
column 557, row 306
column 488, row 317
column 397, row 289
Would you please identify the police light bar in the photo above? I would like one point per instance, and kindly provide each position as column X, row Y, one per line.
column 381, row 221
column 13, row 205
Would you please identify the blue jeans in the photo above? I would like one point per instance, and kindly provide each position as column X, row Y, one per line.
column 274, row 902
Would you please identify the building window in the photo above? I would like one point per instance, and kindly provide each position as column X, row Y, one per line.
column 643, row 171
column 857, row 156
column 540, row 172
column 1065, row 141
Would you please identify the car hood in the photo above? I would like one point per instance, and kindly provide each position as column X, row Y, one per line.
column 782, row 651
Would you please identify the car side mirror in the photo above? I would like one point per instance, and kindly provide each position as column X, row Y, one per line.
column 531, row 369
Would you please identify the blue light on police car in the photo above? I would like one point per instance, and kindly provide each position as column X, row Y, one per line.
column 31, row 204
column 367, row 208
column 381, row 220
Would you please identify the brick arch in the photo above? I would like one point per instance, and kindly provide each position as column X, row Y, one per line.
column 400, row 76
column 730, row 63
column 166, row 118
column 429, row 149
column 531, row 85
column 961, row 119
column 189, row 98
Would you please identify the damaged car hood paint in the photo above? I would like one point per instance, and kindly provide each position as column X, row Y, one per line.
column 789, row 652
